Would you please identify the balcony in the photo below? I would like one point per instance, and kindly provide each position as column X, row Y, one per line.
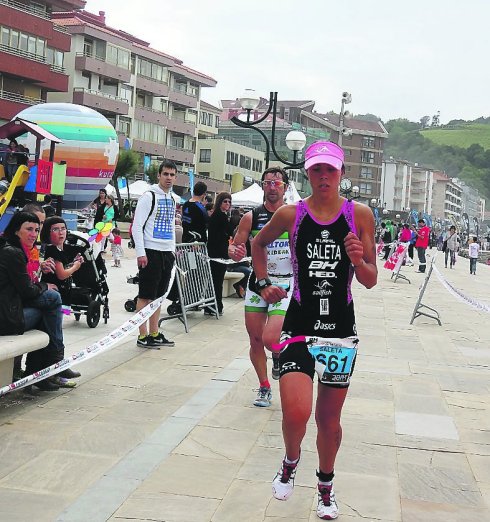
column 182, row 98
column 175, row 153
column 177, row 125
column 12, row 103
column 33, row 67
column 150, row 115
column 100, row 101
column 152, row 86
column 154, row 149
column 97, row 65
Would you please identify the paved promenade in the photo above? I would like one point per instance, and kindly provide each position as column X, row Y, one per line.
column 172, row 435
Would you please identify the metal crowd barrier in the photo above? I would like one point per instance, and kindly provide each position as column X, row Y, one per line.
column 194, row 282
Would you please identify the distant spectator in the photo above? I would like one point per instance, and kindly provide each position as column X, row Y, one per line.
column 219, row 233
column 49, row 210
column 194, row 215
column 98, row 204
column 11, row 160
column 451, row 245
column 422, row 243
column 473, row 251
column 116, row 247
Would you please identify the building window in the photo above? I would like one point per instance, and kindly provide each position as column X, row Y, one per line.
column 366, row 173
column 231, row 158
column 348, row 152
column 367, row 157
column 368, row 142
column 205, row 156
column 228, row 177
column 257, row 165
column 127, row 93
column 216, row 124
column 204, row 174
column 366, row 188
column 244, row 162
column 124, row 125
column 348, row 168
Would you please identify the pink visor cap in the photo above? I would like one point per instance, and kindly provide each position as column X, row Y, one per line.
column 324, row 152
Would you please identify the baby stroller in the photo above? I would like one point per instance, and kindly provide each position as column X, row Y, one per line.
column 89, row 288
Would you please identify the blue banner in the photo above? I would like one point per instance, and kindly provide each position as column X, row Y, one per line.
column 122, row 183
column 146, row 162
column 191, row 179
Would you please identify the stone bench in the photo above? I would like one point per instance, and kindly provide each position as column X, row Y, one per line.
column 229, row 280
column 13, row 345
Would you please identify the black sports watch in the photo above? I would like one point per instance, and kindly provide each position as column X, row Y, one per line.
column 263, row 283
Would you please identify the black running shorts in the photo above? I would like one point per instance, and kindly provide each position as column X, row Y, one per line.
column 155, row 276
column 295, row 357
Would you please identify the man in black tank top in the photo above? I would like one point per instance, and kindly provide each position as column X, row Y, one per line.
column 332, row 239
column 264, row 320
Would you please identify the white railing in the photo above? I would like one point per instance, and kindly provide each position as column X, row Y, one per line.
column 100, row 93
column 26, row 8
column 19, row 98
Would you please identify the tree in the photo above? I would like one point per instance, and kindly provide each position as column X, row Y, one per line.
column 424, row 121
column 127, row 166
column 152, row 172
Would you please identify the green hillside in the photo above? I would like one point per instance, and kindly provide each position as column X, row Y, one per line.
column 462, row 135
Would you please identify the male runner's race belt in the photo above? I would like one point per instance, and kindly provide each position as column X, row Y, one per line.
column 281, row 281
column 334, row 358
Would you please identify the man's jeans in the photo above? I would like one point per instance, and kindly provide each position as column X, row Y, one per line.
column 422, row 260
column 45, row 314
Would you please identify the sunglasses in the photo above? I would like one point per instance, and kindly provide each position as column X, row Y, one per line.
column 273, row 183
column 227, row 201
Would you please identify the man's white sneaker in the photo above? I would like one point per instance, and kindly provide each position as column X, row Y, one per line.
column 283, row 483
column 327, row 506
column 264, row 397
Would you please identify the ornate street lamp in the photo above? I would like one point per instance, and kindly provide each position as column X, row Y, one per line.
column 343, row 130
column 295, row 140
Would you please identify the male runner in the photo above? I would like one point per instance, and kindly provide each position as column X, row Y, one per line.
column 264, row 321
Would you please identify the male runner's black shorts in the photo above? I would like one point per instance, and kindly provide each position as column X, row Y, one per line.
column 155, row 276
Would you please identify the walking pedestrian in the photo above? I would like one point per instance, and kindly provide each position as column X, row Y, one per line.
column 332, row 239
column 451, row 244
column 473, row 251
column 422, row 243
column 154, row 238
column 264, row 320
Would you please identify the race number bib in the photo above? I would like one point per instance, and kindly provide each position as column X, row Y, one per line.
column 334, row 358
column 283, row 282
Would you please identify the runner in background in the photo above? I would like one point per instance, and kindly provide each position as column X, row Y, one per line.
column 264, row 320
column 332, row 239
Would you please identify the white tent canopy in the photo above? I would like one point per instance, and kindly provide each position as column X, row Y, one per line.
column 253, row 196
column 136, row 189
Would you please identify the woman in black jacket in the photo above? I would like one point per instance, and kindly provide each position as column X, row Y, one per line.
column 219, row 232
column 25, row 305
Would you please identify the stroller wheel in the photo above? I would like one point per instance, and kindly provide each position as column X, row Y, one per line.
column 174, row 309
column 130, row 305
column 93, row 314
column 77, row 317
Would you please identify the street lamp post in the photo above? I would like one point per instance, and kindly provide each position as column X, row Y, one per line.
column 344, row 131
column 295, row 140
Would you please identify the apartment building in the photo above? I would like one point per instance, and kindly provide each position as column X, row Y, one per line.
column 32, row 53
column 396, row 179
column 150, row 97
column 447, row 197
column 363, row 148
column 209, row 117
column 220, row 160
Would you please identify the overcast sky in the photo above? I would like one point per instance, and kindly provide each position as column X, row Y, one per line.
column 397, row 58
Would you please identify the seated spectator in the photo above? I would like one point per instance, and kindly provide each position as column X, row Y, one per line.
column 53, row 235
column 25, row 305
column 242, row 268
